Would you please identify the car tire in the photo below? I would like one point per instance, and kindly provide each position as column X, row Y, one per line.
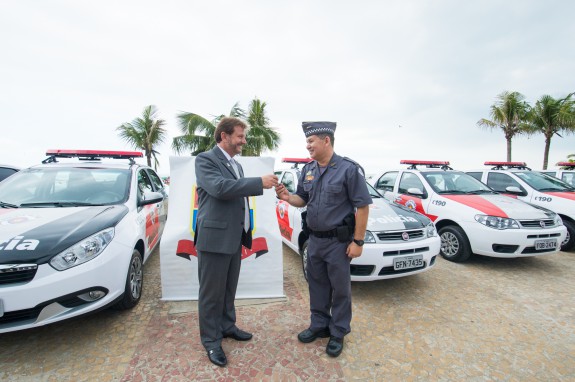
column 454, row 244
column 569, row 241
column 304, row 258
column 134, row 283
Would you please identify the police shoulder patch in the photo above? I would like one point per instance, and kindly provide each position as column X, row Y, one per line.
column 359, row 168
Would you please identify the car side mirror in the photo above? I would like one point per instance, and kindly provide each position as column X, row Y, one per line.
column 514, row 190
column 416, row 192
column 150, row 198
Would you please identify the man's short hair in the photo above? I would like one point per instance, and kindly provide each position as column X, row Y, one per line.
column 331, row 137
column 227, row 125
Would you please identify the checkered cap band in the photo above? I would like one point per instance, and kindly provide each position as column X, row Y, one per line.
column 313, row 128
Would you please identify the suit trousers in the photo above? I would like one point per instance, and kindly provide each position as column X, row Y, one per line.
column 218, row 274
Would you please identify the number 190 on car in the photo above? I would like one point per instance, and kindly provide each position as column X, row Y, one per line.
column 407, row 262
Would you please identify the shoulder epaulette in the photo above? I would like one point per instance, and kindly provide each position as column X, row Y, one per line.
column 361, row 170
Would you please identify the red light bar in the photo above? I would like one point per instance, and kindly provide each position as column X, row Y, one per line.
column 95, row 154
column 296, row 160
column 566, row 164
column 424, row 162
column 512, row 164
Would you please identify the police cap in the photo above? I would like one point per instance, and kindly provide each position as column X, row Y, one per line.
column 314, row 128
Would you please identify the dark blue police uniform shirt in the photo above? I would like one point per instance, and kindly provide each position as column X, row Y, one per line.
column 331, row 196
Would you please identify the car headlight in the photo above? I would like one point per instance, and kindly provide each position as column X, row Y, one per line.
column 497, row 222
column 83, row 251
column 430, row 229
column 557, row 220
column 369, row 238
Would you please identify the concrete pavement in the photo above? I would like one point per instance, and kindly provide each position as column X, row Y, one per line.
column 484, row 320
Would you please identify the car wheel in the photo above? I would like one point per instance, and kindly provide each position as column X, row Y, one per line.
column 304, row 259
column 134, row 283
column 454, row 244
column 569, row 241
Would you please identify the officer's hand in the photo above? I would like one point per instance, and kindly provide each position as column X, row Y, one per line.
column 353, row 250
column 282, row 192
column 269, row 181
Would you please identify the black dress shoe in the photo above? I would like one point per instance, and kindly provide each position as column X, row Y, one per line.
column 239, row 335
column 309, row 336
column 334, row 346
column 218, row 357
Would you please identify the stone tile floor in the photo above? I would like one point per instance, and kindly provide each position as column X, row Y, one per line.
column 484, row 320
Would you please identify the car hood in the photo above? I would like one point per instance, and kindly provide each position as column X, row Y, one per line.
column 35, row 235
column 499, row 205
column 384, row 216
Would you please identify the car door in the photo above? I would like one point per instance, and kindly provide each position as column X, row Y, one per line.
column 411, row 192
column 162, row 207
column 151, row 211
column 289, row 217
column 499, row 181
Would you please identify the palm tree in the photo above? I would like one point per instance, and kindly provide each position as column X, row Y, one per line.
column 198, row 133
column 260, row 136
column 550, row 116
column 145, row 133
column 508, row 114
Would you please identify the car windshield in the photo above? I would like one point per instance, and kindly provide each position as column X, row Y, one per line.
column 65, row 187
column 372, row 191
column 455, row 182
column 543, row 182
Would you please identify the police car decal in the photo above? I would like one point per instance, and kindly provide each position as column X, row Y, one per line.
column 52, row 231
column 479, row 203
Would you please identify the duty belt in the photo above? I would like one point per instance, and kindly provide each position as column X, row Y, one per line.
column 324, row 234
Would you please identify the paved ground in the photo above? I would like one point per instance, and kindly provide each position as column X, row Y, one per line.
column 485, row 320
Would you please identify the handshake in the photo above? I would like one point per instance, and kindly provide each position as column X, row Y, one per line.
column 270, row 181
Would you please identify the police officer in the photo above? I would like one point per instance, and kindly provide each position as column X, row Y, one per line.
column 332, row 188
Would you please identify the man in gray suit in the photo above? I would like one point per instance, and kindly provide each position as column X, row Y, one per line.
column 222, row 227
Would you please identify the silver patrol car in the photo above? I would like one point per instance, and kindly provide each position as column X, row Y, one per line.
column 74, row 234
column 398, row 242
column 518, row 181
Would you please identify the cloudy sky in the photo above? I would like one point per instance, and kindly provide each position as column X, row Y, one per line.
column 403, row 79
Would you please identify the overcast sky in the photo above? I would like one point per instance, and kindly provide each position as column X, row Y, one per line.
column 403, row 79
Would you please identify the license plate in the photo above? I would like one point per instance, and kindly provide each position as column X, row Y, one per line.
column 407, row 262
column 546, row 244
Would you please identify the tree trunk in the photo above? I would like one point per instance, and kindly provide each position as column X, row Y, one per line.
column 149, row 159
column 508, row 149
column 546, row 153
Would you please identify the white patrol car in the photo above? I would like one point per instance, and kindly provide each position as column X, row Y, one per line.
column 566, row 173
column 515, row 179
column 469, row 216
column 74, row 235
column 398, row 242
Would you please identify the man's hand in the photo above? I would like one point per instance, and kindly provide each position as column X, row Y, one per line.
column 282, row 192
column 269, row 181
column 353, row 250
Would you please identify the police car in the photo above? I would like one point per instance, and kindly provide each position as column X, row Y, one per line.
column 74, row 235
column 517, row 180
column 398, row 242
column 469, row 216
column 566, row 173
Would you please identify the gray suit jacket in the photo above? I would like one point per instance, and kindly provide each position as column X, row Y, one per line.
column 221, row 208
